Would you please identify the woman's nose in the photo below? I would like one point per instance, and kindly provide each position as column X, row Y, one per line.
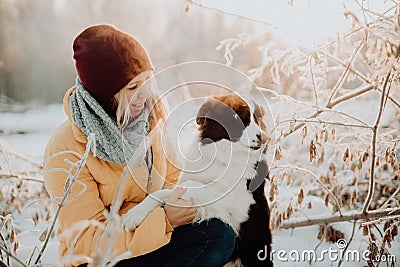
column 144, row 91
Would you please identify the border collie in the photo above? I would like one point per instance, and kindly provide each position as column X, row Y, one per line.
column 225, row 173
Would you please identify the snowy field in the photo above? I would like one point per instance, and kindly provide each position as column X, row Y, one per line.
column 26, row 133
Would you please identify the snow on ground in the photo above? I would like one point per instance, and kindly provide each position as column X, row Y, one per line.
column 27, row 133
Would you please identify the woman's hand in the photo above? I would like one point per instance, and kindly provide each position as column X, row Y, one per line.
column 179, row 211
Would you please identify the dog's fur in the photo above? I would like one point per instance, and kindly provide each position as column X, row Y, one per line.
column 225, row 176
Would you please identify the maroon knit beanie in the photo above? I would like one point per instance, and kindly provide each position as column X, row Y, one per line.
column 106, row 59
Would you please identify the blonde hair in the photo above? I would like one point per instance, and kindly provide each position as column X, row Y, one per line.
column 123, row 112
column 155, row 106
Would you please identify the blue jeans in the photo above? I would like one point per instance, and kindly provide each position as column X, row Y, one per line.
column 207, row 244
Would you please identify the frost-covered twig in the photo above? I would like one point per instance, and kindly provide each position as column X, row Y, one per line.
column 228, row 13
column 390, row 198
column 71, row 180
column 348, row 242
column 4, row 242
column 351, row 69
column 320, row 110
column 317, row 120
column 344, row 75
column 102, row 256
column 378, row 220
column 350, row 216
column 231, row 44
column 28, row 262
column 64, row 152
column 5, row 248
column 394, row 101
column 9, row 253
column 31, row 161
column 5, row 153
column 346, row 35
column 351, row 95
column 313, row 82
column 371, row 186
column 293, row 167
column 20, row 176
column 330, row 106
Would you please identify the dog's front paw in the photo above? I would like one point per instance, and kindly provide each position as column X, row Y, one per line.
column 201, row 214
column 133, row 218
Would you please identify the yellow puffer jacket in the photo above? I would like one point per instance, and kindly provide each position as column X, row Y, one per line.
column 101, row 179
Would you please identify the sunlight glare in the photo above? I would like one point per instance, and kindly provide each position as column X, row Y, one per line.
column 306, row 21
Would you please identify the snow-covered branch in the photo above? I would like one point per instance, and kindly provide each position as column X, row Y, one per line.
column 371, row 188
column 350, row 216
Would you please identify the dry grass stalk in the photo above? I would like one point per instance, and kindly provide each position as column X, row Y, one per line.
column 70, row 182
column 102, row 257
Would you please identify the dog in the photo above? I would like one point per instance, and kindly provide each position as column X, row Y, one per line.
column 225, row 175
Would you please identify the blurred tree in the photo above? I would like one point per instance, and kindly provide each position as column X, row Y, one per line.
column 36, row 39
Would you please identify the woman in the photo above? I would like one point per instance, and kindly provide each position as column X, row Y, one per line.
column 108, row 97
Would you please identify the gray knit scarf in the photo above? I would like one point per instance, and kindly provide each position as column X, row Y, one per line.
column 112, row 144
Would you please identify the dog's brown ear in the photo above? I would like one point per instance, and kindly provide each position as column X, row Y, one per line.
column 202, row 113
column 259, row 110
column 243, row 108
column 259, row 113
